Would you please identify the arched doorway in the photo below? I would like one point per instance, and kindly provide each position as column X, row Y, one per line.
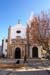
column 17, row 53
column 35, row 52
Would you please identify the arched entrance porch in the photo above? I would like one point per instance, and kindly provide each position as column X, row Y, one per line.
column 17, row 53
column 34, row 52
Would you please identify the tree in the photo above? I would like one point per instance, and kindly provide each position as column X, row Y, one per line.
column 44, row 31
column 27, row 34
column 32, row 31
column 39, row 31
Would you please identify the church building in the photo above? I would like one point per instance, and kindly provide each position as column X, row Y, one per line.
column 15, row 46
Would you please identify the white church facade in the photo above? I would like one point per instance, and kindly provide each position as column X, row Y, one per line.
column 15, row 46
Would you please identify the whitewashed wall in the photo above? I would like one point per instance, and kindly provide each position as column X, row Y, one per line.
column 16, row 28
column 5, row 47
column 39, row 51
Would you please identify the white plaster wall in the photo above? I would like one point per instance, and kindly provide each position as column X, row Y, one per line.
column 30, row 51
column 4, row 47
column 16, row 28
column 39, row 51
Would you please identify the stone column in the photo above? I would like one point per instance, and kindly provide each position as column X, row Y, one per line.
column 39, row 51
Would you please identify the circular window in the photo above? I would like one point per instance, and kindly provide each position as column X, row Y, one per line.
column 18, row 31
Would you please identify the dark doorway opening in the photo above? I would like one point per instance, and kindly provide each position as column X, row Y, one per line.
column 17, row 53
column 35, row 52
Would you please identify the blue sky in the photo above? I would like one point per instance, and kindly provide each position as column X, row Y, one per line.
column 12, row 10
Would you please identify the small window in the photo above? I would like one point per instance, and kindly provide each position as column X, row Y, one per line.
column 6, row 40
column 18, row 31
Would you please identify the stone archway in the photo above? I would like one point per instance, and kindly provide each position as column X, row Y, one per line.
column 35, row 52
column 17, row 53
